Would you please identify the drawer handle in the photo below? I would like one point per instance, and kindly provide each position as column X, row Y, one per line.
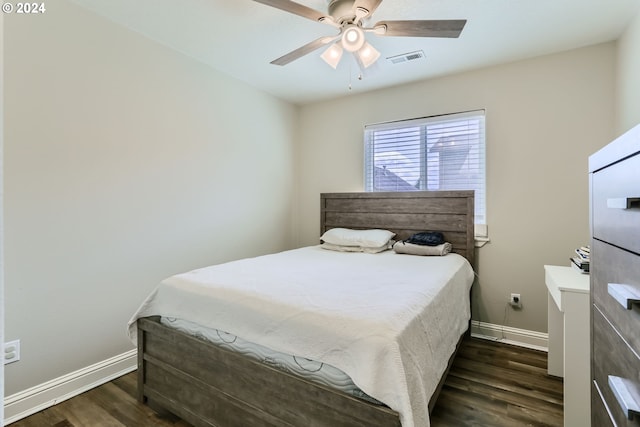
column 624, row 203
column 626, row 295
column 628, row 395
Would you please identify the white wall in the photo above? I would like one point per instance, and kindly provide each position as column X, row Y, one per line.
column 125, row 162
column 628, row 78
column 545, row 116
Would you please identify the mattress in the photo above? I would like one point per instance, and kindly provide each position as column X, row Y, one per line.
column 389, row 321
column 312, row 370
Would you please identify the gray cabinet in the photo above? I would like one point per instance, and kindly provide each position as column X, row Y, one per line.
column 615, row 282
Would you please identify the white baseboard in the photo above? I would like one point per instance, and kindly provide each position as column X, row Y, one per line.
column 509, row 335
column 42, row 396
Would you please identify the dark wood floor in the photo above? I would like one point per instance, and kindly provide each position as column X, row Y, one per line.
column 493, row 384
column 490, row 384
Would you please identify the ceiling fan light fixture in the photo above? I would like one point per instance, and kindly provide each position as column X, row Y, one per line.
column 367, row 55
column 332, row 55
column 352, row 38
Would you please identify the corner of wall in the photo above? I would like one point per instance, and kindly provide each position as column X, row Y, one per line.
column 294, row 228
column 1, row 215
column 627, row 104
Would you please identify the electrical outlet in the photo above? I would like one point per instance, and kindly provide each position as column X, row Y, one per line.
column 11, row 351
column 515, row 301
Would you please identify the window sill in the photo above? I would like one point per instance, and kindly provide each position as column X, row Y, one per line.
column 481, row 241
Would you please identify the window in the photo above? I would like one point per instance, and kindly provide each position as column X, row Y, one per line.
column 433, row 153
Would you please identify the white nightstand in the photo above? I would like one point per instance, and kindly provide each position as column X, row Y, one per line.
column 569, row 346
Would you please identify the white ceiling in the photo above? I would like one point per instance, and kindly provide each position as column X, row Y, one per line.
column 241, row 37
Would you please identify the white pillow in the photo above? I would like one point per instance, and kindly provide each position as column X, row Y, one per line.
column 373, row 238
column 341, row 248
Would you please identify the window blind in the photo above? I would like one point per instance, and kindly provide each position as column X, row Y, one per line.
column 444, row 152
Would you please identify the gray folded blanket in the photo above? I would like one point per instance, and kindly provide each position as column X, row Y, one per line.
column 411, row 249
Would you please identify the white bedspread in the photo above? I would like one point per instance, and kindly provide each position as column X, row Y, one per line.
column 389, row 321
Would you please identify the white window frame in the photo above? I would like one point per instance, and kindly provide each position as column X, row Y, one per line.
column 417, row 163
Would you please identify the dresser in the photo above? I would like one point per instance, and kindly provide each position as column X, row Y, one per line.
column 614, row 179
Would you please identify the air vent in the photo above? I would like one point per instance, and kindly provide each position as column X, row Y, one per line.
column 406, row 57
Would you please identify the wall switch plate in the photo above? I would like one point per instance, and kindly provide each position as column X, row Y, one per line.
column 11, row 351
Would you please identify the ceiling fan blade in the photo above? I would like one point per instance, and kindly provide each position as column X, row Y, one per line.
column 369, row 5
column 442, row 28
column 297, row 9
column 302, row 51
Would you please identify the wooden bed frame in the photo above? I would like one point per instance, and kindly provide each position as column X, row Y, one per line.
column 209, row 386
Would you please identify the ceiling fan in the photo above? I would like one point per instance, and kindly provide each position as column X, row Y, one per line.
column 348, row 17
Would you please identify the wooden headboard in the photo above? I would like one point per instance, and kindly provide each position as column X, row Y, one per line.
column 405, row 213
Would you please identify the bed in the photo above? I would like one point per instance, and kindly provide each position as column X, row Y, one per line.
column 209, row 385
